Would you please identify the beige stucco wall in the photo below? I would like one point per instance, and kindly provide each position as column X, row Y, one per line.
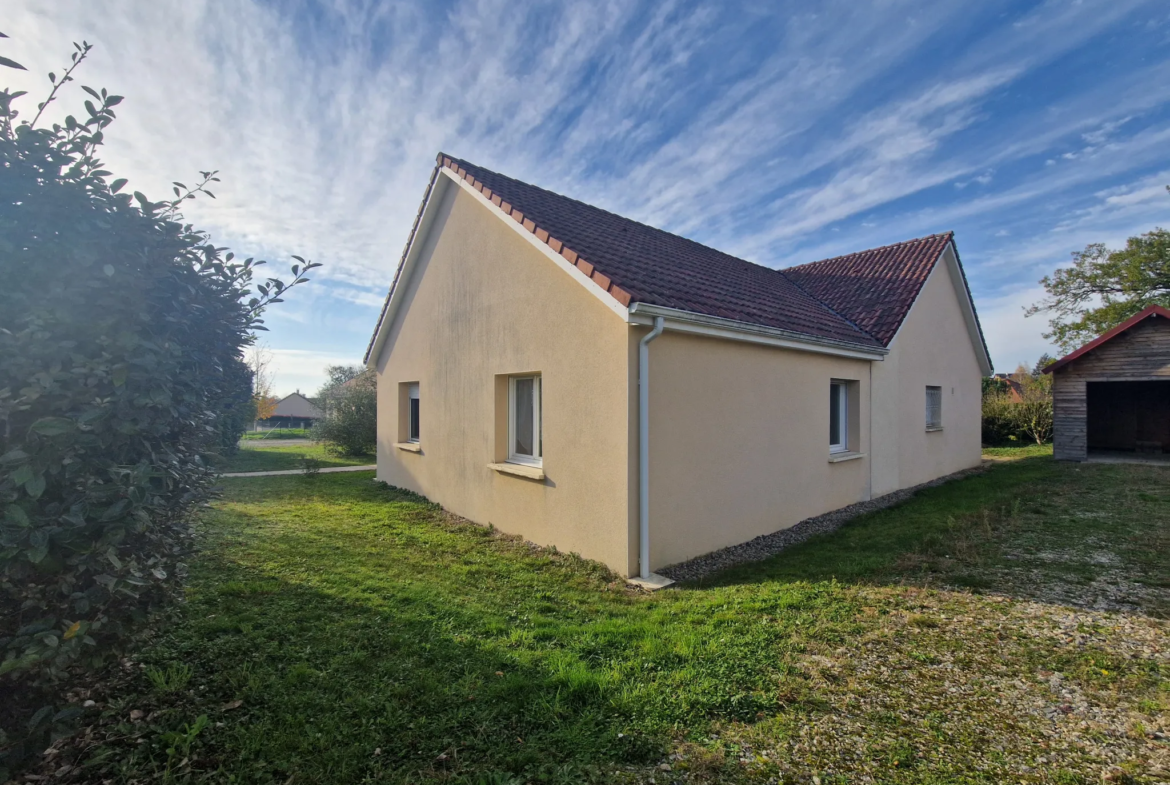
column 739, row 442
column 484, row 302
column 933, row 347
column 739, row 433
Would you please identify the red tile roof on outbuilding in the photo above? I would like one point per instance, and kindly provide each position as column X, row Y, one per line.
column 1149, row 312
column 859, row 299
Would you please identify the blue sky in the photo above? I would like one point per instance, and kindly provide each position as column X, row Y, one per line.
column 780, row 132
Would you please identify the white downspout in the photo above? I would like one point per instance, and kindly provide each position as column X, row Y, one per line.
column 644, row 447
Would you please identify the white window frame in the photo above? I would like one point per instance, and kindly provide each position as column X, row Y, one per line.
column 537, row 435
column 843, row 413
column 413, row 425
column 937, row 423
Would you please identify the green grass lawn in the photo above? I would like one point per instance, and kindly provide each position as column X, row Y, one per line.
column 339, row 631
column 252, row 457
column 276, row 433
column 1020, row 450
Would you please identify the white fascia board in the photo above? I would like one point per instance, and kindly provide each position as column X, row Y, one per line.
column 951, row 258
column 729, row 329
column 969, row 316
column 601, row 294
column 409, row 262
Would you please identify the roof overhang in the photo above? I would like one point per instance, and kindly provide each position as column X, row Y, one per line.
column 967, row 303
column 950, row 256
column 444, row 178
column 729, row 329
column 422, row 223
column 1150, row 312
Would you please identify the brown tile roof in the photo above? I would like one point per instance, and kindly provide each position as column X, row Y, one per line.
column 874, row 289
column 859, row 299
column 658, row 268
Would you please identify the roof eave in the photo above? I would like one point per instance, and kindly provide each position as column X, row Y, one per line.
column 970, row 315
column 730, row 329
column 447, row 173
column 422, row 221
column 1148, row 312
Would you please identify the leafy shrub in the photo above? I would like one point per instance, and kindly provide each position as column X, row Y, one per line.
column 350, row 402
column 1026, row 416
column 122, row 330
column 1000, row 424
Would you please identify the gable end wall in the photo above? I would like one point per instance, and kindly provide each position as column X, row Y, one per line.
column 483, row 303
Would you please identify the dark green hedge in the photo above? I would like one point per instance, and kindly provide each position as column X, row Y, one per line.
column 122, row 330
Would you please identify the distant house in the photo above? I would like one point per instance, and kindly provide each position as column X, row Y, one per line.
column 293, row 411
column 1011, row 386
column 593, row 383
column 1112, row 395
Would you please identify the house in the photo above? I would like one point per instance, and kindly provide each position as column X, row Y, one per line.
column 589, row 382
column 293, row 411
column 1011, row 386
column 1113, row 394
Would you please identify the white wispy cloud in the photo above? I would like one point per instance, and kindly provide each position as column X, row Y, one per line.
column 754, row 128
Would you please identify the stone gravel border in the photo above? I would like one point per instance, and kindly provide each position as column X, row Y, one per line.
column 768, row 545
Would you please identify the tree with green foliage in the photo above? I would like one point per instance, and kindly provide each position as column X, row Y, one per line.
column 1104, row 287
column 1045, row 360
column 1019, row 414
column 122, row 333
column 349, row 400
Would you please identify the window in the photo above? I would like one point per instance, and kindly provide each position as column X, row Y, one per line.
column 524, row 420
column 933, row 408
column 412, row 432
column 838, row 417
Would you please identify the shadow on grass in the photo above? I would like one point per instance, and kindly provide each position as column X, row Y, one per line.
column 352, row 618
column 342, row 691
column 370, row 637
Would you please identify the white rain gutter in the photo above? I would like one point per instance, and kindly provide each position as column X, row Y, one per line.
column 644, row 448
column 728, row 329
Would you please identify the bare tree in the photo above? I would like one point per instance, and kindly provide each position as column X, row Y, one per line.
column 263, row 378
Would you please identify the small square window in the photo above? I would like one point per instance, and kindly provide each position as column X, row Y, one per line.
column 413, row 431
column 524, row 420
column 838, row 417
column 933, row 407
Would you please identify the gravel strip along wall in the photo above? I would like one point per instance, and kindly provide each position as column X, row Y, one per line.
column 770, row 544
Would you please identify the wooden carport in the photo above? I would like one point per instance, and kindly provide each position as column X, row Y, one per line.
column 1111, row 397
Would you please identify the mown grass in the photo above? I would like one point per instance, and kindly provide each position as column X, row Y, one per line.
column 341, row 631
column 276, row 433
column 1016, row 451
column 252, row 457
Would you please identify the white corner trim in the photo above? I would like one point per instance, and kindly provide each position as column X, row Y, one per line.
column 417, row 242
column 601, row 294
column 729, row 329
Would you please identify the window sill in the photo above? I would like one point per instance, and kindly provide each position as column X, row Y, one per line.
column 518, row 470
column 840, row 457
column 409, row 446
column 933, row 428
